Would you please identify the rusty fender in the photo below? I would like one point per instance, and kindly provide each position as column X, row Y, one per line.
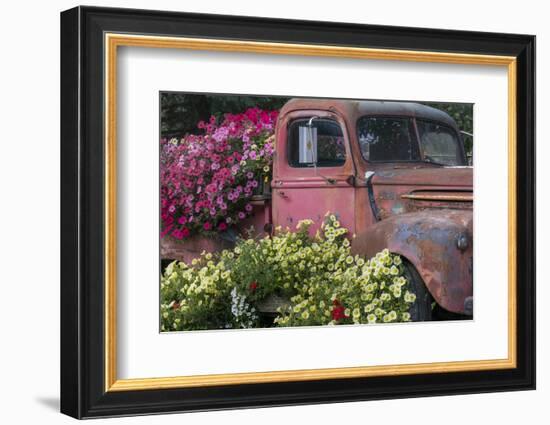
column 438, row 243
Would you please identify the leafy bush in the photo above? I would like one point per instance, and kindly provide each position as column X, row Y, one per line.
column 324, row 283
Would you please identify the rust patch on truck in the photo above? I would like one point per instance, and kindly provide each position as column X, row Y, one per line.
column 429, row 241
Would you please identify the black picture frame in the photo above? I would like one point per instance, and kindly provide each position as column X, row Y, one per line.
column 83, row 392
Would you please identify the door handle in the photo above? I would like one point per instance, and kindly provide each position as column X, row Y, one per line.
column 282, row 194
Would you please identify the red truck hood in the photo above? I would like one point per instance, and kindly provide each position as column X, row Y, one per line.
column 397, row 191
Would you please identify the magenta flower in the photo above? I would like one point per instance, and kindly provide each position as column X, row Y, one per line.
column 203, row 184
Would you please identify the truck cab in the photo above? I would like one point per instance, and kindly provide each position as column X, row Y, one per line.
column 395, row 174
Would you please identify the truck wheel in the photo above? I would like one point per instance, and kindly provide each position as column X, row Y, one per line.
column 421, row 310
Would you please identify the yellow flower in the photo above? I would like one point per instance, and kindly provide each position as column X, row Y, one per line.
column 305, row 315
column 368, row 308
column 410, row 297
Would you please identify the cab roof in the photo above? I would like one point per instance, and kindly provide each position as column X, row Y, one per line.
column 354, row 109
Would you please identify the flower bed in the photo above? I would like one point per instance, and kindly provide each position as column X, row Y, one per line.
column 324, row 283
column 207, row 180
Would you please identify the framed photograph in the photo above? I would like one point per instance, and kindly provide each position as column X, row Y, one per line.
column 261, row 212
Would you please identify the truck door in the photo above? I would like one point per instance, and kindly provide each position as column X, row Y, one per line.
column 313, row 170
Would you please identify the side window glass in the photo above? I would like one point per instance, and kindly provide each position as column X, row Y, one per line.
column 321, row 144
column 439, row 144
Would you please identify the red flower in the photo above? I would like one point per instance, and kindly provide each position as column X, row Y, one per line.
column 222, row 226
column 207, row 225
column 253, row 286
column 338, row 311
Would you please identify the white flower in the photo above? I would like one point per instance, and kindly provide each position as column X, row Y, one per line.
column 244, row 314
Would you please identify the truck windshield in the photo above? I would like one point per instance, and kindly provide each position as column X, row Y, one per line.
column 393, row 139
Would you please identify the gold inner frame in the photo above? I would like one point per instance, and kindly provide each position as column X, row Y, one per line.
column 113, row 41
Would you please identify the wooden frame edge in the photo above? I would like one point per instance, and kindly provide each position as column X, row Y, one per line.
column 114, row 40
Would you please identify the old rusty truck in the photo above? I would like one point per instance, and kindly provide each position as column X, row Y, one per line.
column 396, row 175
